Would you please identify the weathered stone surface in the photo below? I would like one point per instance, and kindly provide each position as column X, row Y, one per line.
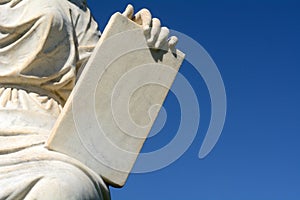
column 114, row 103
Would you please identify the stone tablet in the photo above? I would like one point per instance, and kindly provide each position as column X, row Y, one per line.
column 112, row 108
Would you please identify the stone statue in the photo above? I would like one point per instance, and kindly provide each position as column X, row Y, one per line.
column 43, row 44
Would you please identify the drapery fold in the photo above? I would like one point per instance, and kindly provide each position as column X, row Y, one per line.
column 42, row 43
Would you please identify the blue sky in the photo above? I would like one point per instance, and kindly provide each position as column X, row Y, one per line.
column 256, row 46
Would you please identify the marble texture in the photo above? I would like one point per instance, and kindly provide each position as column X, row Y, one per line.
column 43, row 47
column 110, row 111
column 43, row 42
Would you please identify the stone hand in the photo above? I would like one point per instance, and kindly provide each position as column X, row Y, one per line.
column 157, row 36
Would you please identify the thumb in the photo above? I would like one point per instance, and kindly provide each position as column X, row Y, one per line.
column 128, row 11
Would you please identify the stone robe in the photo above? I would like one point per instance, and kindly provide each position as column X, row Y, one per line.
column 42, row 45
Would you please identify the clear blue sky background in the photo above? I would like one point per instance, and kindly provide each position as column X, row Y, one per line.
column 256, row 46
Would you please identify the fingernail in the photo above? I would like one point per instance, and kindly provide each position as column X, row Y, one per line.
column 157, row 44
column 150, row 40
column 146, row 28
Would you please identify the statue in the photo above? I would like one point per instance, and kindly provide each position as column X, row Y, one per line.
column 43, row 44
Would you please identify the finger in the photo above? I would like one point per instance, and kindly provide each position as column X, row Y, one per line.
column 173, row 41
column 128, row 11
column 162, row 38
column 155, row 30
column 144, row 18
